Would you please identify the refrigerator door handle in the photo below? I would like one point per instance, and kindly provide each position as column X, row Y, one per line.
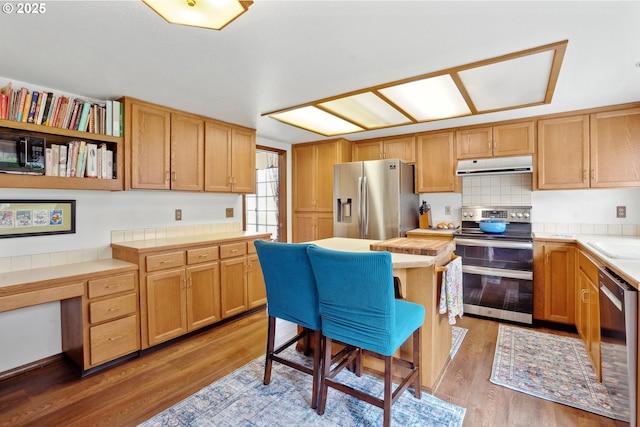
column 359, row 204
column 365, row 207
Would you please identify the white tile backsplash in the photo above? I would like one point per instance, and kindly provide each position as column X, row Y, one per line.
column 500, row 190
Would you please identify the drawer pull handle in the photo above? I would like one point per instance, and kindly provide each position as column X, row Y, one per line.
column 117, row 337
column 116, row 308
column 234, row 250
column 165, row 262
column 112, row 286
column 203, row 255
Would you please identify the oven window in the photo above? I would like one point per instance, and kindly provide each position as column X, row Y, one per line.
column 498, row 292
column 504, row 258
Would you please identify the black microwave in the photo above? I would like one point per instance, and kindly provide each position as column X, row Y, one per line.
column 22, row 154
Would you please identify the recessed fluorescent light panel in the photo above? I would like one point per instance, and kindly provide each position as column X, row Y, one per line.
column 516, row 80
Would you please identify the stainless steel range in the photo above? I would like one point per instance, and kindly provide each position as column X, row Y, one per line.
column 497, row 266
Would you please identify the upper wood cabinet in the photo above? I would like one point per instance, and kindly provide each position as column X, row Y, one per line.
column 436, row 163
column 615, row 148
column 563, row 153
column 596, row 151
column 230, row 158
column 403, row 148
column 167, row 148
column 514, row 139
column 312, row 166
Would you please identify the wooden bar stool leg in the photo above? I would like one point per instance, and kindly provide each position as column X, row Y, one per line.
column 388, row 382
column 271, row 337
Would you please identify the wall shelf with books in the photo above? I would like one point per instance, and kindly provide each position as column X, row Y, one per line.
column 52, row 136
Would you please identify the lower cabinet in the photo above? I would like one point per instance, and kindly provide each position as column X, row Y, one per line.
column 588, row 308
column 310, row 226
column 554, row 282
column 104, row 324
column 189, row 286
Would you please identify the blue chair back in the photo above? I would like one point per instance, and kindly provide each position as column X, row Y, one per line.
column 291, row 287
column 356, row 294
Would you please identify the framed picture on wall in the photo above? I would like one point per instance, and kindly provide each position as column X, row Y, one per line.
column 22, row 218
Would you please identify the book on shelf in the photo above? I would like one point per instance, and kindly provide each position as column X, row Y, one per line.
column 42, row 100
column 72, row 158
column 22, row 95
column 55, row 167
column 92, row 161
column 62, row 169
column 74, row 115
column 26, row 106
column 84, row 117
column 81, row 162
column 4, row 106
column 109, row 118
column 48, row 161
column 116, row 118
column 44, row 111
column 36, row 100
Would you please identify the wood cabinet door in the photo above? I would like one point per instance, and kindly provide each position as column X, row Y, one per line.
column 594, row 326
column 233, row 286
column 304, row 175
column 369, row 150
column 474, row 143
column 256, row 290
column 615, row 148
column 582, row 307
column 559, row 280
column 514, row 139
column 435, row 163
column 326, row 157
column 217, row 157
column 303, row 227
column 187, row 153
column 150, row 147
column 400, row 148
column 563, row 153
column 243, row 161
column 323, row 225
column 166, row 305
column 203, row 295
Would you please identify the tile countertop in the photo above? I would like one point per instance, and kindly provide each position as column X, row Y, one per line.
column 181, row 241
column 629, row 269
column 363, row 245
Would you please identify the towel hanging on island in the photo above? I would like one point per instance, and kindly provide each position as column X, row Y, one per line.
column 451, row 301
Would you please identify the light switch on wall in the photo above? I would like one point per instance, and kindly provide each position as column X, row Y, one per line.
column 229, row 212
column 621, row 211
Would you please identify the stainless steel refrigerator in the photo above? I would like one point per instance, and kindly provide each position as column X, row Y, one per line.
column 374, row 199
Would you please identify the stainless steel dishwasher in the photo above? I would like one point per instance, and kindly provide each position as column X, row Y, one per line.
column 619, row 339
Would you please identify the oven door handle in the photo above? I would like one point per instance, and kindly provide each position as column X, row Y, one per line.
column 499, row 272
column 489, row 243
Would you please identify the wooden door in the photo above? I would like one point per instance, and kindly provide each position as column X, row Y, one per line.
column 369, row 150
column 563, row 153
column 217, row 155
column 150, row 147
column 435, row 163
column 187, row 153
column 615, row 148
column 559, row 280
column 304, row 176
column 166, row 305
column 233, row 286
column 203, row 295
column 474, row 143
column 243, row 161
column 400, row 148
column 514, row 139
column 256, row 290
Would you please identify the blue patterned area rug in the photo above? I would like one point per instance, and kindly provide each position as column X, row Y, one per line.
column 550, row 367
column 240, row 399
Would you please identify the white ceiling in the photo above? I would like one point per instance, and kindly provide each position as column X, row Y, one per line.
column 287, row 52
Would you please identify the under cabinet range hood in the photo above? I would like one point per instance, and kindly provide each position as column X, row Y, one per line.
column 495, row 166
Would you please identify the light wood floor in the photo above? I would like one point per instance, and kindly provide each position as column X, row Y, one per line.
column 130, row 393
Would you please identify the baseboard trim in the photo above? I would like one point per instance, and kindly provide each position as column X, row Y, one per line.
column 30, row 366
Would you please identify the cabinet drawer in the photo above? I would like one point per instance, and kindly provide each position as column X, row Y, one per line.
column 588, row 266
column 196, row 256
column 114, row 339
column 113, row 308
column 112, row 285
column 251, row 248
column 233, row 250
column 162, row 261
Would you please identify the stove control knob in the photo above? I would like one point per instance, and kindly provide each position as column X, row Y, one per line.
column 464, row 213
column 526, row 215
column 513, row 214
column 519, row 215
column 471, row 214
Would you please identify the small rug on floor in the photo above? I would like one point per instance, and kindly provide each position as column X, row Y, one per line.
column 457, row 336
column 240, row 399
column 550, row 367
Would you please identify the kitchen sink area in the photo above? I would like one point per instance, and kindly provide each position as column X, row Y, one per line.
column 618, row 250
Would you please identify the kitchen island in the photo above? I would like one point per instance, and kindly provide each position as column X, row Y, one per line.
column 420, row 283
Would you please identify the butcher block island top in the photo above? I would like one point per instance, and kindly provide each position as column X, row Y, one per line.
column 414, row 246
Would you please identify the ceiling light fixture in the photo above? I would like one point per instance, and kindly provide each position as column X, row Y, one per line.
column 516, row 80
column 211, row 14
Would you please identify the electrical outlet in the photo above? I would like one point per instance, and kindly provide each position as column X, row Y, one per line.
column 178, row 214
column 447, row 210
column 229, row 212
column 621, row 211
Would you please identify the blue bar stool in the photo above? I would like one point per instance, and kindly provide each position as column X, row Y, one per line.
column 291, row 295
column 358, row 308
